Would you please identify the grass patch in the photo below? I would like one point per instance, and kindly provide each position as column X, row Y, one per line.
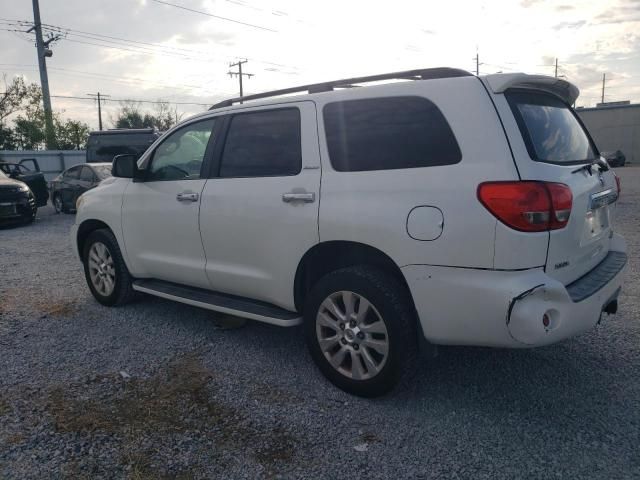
column 5, row 409
column 179, row 399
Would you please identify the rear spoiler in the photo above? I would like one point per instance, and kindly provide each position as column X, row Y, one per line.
column 501, row 82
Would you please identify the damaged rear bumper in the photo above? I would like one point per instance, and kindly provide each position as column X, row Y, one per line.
column 512, row 308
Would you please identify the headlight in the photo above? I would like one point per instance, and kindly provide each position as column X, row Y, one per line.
column 23, row 188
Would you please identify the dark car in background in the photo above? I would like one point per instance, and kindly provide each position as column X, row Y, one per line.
column 31, row 176
column 615, row 159
column 17, row 201
column 73, row 182
column 103, row 145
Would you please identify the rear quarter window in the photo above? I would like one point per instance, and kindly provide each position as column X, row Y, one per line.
column 388, row 133
column 550, row 128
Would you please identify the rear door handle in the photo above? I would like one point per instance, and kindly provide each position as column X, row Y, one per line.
column 187, row 197
column 299, row 197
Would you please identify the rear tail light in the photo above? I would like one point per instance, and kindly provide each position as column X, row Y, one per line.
column 617, row 183
column 528, row 206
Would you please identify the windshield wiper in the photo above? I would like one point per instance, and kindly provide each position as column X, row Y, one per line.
column 600, row 162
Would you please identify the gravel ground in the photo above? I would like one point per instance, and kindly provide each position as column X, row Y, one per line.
column 156, row 390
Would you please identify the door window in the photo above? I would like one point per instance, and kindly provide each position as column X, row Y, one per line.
column 86, row 175
column 180, row 155
column 263, row 144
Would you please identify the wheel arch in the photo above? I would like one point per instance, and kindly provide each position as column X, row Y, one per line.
column 85, row 229
column 326, row 257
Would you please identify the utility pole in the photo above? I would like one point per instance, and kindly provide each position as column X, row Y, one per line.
column 43, row 52
column 556, row 75
column 603, row 77
column 239, row 73
column 99, row 97
column 477, row 63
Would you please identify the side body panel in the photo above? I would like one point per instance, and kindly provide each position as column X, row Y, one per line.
column 372, row 207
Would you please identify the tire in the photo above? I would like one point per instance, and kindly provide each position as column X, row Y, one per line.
column 115, row 288
column 58, row 206
column 30, row 219
column 389, row 302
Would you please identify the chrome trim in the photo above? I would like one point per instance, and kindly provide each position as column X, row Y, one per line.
column 602, row 199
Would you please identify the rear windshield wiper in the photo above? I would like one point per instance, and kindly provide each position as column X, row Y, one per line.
column 600, row 162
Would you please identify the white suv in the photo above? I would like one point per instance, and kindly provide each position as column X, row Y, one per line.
column 450, row 208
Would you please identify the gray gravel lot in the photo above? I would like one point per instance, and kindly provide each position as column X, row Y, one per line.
column 156, row 390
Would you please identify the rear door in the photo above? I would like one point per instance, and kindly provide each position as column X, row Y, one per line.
column 551, row 144
column 259, row 212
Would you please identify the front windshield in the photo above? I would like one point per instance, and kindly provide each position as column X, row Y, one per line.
column 550, row 129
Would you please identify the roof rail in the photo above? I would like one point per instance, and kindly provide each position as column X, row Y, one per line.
column 421, row 74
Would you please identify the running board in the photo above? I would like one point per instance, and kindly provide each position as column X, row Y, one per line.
column 219, row 302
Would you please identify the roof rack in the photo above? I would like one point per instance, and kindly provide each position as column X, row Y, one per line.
column 421, row 74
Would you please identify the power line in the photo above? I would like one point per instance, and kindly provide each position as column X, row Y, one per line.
column 156, row 102
column 105, row 76
column 215, row 16
column 125, row 44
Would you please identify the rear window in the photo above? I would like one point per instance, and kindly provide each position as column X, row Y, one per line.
column 388, row 133
column 102, row 148
column 551, row 130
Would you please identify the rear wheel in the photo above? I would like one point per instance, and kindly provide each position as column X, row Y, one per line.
column 57, row 203
column 104, row 268
column 361, row 330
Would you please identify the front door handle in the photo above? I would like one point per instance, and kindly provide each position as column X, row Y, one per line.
column 187, row 197
column 299, row 197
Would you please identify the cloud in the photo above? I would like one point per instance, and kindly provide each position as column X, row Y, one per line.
column 561, row 25
column 529, row 3
column 564, row 8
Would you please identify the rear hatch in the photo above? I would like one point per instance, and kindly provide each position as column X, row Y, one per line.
column 560, row 150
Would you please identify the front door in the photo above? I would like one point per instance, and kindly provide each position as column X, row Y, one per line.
column 160, row 211
column 259, row 212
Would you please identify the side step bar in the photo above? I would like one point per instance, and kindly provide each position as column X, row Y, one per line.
column 219, row 302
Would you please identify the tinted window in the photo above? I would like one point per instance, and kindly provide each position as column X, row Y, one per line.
column 102, row 148
column 72, row 173
column 180, row 155
column 550, row 128
column 86, row 175
column 261, row 144
column 388, row 133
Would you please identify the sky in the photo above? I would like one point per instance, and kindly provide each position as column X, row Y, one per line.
column 151, row 50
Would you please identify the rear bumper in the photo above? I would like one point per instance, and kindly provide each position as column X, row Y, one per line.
column 73, row 238
column 505, row 308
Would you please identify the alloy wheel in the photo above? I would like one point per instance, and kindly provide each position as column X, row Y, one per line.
column 352, row 335
column 101, row 269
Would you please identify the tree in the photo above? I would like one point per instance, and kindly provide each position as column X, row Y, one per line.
column 130, row 116
column 29, row 133
column 71, row 135
column 12, row 98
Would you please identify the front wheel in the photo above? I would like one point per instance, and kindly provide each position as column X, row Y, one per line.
column 360, row 328
column 104, row 268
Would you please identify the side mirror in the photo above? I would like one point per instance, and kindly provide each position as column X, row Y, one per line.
column 124, row 166
column 602, row 163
